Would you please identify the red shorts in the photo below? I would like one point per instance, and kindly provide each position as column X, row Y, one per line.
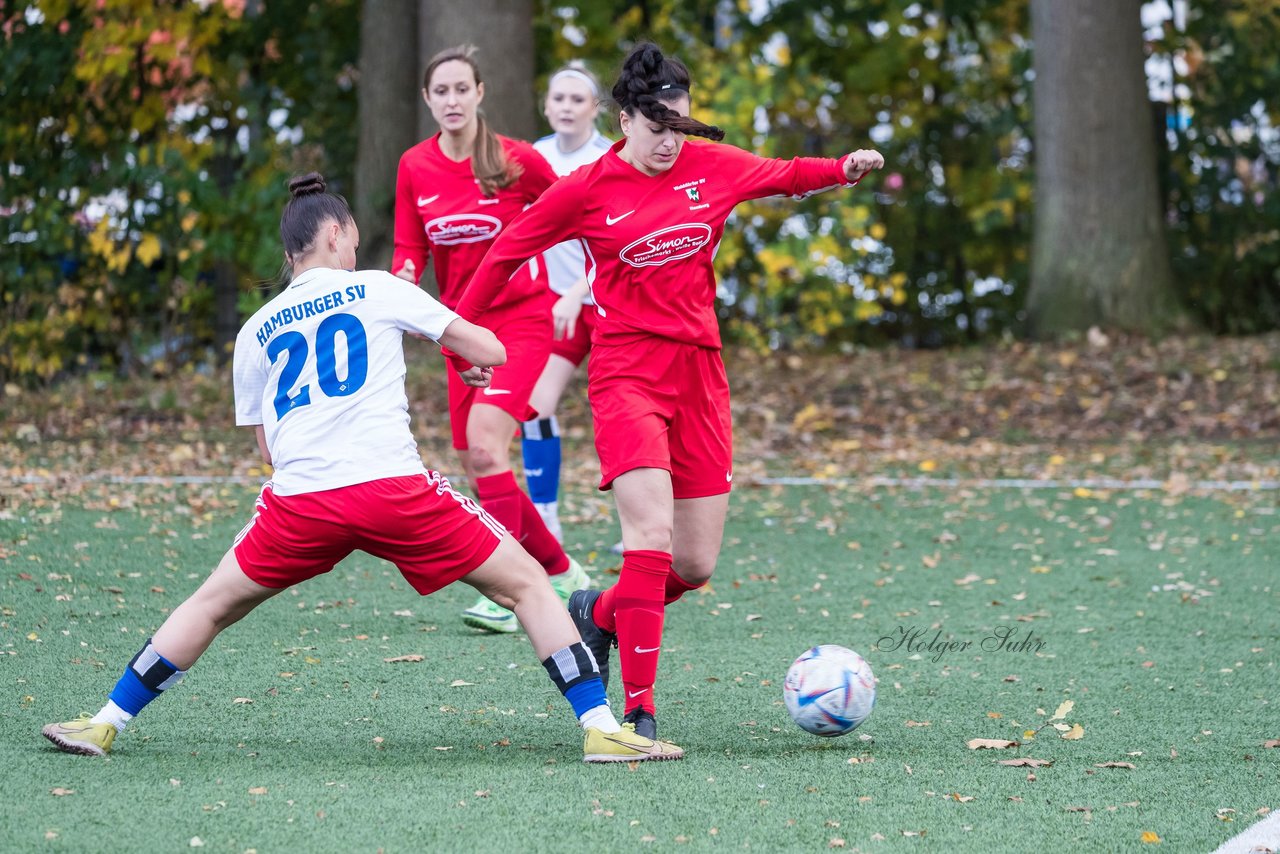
column 525, row 329
column 432, row 534
column 658, row 403
column 575, row 349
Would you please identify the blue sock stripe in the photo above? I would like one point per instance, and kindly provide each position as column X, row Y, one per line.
column 130, row 694
column 586, row 695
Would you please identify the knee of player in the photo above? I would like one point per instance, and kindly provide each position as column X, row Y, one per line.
column 696, row 571
column 485, row 459
column 653, row 534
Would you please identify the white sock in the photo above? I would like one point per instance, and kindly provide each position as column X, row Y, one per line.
column 601, row 718
column 114, row 715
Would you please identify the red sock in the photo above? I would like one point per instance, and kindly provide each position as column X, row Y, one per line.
column 677, row 587
column 499, row 494
column 604, row 612
column 639, row 613
column 539, row 541
column 502, row 497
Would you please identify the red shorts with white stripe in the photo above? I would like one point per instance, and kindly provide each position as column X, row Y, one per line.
column 433, row 534
column 525, row 329
column 662, row 404
column 575, row 349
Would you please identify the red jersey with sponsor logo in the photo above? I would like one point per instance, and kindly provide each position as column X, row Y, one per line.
column 650, row 241
column 441, row 213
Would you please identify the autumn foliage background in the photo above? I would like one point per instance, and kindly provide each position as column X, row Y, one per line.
column 148, row 144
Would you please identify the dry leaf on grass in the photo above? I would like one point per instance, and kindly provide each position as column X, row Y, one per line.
column 1114, row 765
column 1063, row 710
column 460, row 683
column 990, row 743
column 1026, row 762
column 413, row 657
column 1074, row 734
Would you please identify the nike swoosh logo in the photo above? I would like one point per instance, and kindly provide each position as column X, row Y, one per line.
column 493, row 391
column 423, row 201
column 610, row 220
column 489, row 201
column 625, row 744
column 631, row 695
column 643, row 651
column 533, row 472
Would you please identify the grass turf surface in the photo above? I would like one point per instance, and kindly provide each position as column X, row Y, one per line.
column 1158, row 616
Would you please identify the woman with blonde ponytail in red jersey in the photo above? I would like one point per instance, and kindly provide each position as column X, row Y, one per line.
column 455, row 193
column 650, row 214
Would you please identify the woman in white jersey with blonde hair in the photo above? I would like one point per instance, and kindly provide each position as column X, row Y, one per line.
column 572, row 106
column 319, row 375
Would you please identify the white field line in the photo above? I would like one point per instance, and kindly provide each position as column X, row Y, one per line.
column 1021, row 483
column 876, row 481
column 1261, row 837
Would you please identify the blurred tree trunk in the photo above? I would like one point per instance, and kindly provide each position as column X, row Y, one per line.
column 388, row 119
column 503, row 30
column 1099, row 255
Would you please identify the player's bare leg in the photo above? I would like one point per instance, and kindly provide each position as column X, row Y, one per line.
column 224, row 598
column 697, row 533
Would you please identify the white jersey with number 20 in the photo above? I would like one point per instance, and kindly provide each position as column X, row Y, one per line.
column 321, row 367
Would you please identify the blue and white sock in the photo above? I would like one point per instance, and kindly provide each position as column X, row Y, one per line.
column 575, row 673
column 540, row 447
column 148, row 675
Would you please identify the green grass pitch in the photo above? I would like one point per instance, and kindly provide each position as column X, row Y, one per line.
column 1157, row 615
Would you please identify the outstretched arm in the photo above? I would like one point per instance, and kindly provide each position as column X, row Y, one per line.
column 552, row 219
column 758, row 177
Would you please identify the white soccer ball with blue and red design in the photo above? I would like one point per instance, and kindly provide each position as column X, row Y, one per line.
column 829, row 690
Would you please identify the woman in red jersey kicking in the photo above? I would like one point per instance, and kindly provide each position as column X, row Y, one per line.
column 455, row 192
column 650, row 214
column 319, row 374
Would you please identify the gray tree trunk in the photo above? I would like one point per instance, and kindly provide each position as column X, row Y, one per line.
column 503, row 30
column 390, row 73
column 1099, row 255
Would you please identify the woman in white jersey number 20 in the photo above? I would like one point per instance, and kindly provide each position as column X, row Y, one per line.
column 319, row 374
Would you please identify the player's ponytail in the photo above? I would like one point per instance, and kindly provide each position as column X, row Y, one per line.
column 309, row 208
column 647, row 80
column 489, row 163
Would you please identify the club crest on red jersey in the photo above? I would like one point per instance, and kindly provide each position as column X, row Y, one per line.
column 693, row 194
column 667, row 244
column 462, row 228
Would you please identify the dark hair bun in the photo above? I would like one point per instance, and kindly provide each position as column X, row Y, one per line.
column 310, row 184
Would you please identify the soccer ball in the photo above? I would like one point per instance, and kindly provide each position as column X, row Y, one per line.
column 829, row 690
